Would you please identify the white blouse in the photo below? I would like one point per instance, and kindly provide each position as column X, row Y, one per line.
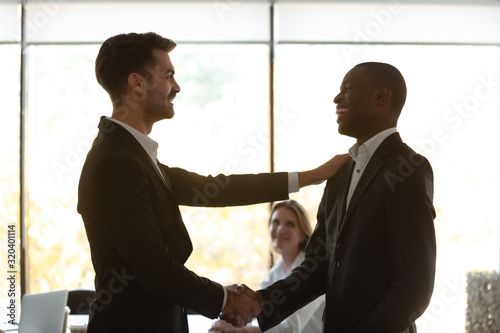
column 309, row 319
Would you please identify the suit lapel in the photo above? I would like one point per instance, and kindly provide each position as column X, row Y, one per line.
column 184, row 248
column 165, row 177
column 372, row 169
column 344, row 190
column 111, row 128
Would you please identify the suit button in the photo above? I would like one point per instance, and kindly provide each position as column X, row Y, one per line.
column 337, row 264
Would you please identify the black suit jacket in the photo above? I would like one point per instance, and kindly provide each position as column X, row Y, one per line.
column 375, row 261
column 137, row 239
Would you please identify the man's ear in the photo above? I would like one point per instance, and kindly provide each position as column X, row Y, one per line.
column 383, row 95
column 136, row 83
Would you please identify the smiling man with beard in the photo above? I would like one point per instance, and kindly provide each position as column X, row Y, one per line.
column 129, row 201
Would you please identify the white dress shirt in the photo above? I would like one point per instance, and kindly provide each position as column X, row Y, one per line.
column 149, row 145
column 361, row 156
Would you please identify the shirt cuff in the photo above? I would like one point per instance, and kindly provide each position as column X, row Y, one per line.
column 225, row 298
column 293, row 182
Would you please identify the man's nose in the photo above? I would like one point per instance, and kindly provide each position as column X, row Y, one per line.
column 336, row 99
column 176, row 87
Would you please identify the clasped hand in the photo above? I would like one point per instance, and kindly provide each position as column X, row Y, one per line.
column 242, row 305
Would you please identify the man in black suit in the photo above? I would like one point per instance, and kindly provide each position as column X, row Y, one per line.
column 373, row 251
column 129, row 201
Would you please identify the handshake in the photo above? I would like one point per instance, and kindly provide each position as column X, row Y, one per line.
column 242, row 305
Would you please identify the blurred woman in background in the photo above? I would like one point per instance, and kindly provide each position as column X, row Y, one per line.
column 290, row 231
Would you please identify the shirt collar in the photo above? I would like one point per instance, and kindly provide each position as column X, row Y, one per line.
column 280, row 265
column 149, row 145
column 371, row 145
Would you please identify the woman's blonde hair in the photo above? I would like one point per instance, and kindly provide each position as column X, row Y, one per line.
column 302, row 219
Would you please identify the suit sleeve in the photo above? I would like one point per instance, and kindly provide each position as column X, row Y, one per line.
column 306, row 282
column 297, row 321
column 124, row 212
column 191, row 189
column 412, row 251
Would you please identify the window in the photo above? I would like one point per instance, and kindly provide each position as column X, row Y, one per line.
column 9, row 174
column 223, row 120
column 64, row 105
column 450, row 116
column 222, row 126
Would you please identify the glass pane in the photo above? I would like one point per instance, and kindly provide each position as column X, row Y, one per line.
column 221, row 125
column 221, row 111
column 186, row 21
column 9, row 179
column 65, row 103
column 451, row 116
column 222, row 107
column 389, row 21
column 10, row 21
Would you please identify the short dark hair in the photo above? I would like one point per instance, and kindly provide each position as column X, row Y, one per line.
column 385, row 74
column 124, row 54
